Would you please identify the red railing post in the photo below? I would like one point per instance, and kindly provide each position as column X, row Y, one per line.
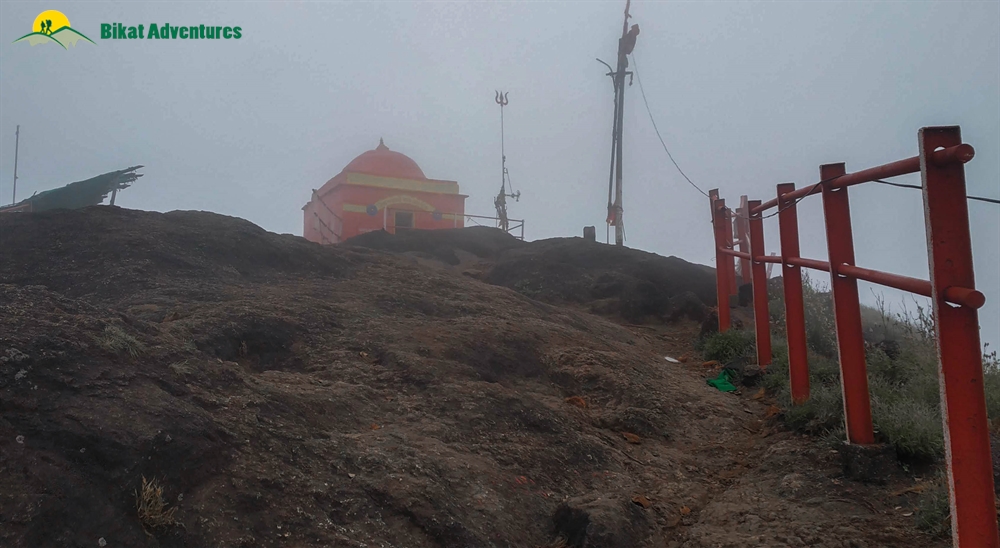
column 721, row 272
column 963, row 401
column 791, row 277
column 758, row 271
column 847, row 310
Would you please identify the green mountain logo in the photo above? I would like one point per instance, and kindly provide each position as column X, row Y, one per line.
column 43, row 33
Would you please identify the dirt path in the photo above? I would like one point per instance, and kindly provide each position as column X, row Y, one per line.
column 759, row 484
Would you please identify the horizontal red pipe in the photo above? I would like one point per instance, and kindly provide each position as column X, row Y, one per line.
column 895, row 169
column 965, row 297
column 959, row 153
column 955, row 295
column 765, row 206
column 906, row 283
column 767, row 259
column 809, row 263
column 734, row 253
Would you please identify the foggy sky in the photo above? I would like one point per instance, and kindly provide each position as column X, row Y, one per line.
column 746, row 95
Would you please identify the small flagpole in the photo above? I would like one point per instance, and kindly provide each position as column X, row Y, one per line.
column 17, row 141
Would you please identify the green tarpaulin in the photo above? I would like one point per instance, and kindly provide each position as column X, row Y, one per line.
column 724, row 382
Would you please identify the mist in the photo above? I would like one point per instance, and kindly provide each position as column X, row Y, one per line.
column 745, row 94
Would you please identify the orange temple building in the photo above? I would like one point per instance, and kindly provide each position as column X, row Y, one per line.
column 381, row 190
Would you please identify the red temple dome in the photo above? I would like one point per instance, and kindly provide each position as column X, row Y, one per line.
column 386, row 163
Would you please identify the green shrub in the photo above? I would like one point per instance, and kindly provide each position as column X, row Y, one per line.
column 912, row 427
column 933, row 514
column 904, row 386
column 820, row 414
column 728, row 346
column 823, row 412
column 817, row 306
column 776, row 378
column 991, row 373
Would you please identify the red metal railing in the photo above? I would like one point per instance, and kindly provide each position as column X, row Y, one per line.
column 951, row 288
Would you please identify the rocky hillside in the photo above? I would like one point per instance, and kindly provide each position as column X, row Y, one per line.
column 273, row 392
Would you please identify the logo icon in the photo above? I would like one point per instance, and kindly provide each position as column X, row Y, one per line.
column 53, row 26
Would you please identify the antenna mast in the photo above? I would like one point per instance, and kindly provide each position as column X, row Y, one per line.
column 501, row 200
column 17, row 142
column 625, row 46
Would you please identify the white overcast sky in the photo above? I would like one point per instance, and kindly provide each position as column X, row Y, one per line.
column 746, row 94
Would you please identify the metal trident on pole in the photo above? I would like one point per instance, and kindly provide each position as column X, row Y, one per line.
column 501, row 200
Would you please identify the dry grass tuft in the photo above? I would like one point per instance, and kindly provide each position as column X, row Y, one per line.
column 116, row 340
column 557, row 543
column 152, row 509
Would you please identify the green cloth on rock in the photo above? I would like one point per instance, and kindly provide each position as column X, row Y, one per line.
column 723, row 382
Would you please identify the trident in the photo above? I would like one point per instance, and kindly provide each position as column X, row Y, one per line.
column 501, row 100
column 501, row 200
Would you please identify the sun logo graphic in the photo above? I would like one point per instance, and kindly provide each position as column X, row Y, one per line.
column 53, row 26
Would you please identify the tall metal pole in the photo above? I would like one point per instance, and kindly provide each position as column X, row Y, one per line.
column 614, row 149
column 625, row 46
column 619, row 210
column 17, row 141
column 501, row 100
column 501, row 200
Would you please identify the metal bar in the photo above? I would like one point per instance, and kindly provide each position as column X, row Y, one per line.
column 965, row 297
column 948, row 156
column 963, row 400
column 810, row 263
column 758, row 272
column 905, row 283
column 791, row 275
column 847, row 311
column 734, row 253
column 482, row 217
column 958, row 154
column 765, row 206
column 962, row 296
column 766, row 258
column 721, row 283
column 730, row 263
